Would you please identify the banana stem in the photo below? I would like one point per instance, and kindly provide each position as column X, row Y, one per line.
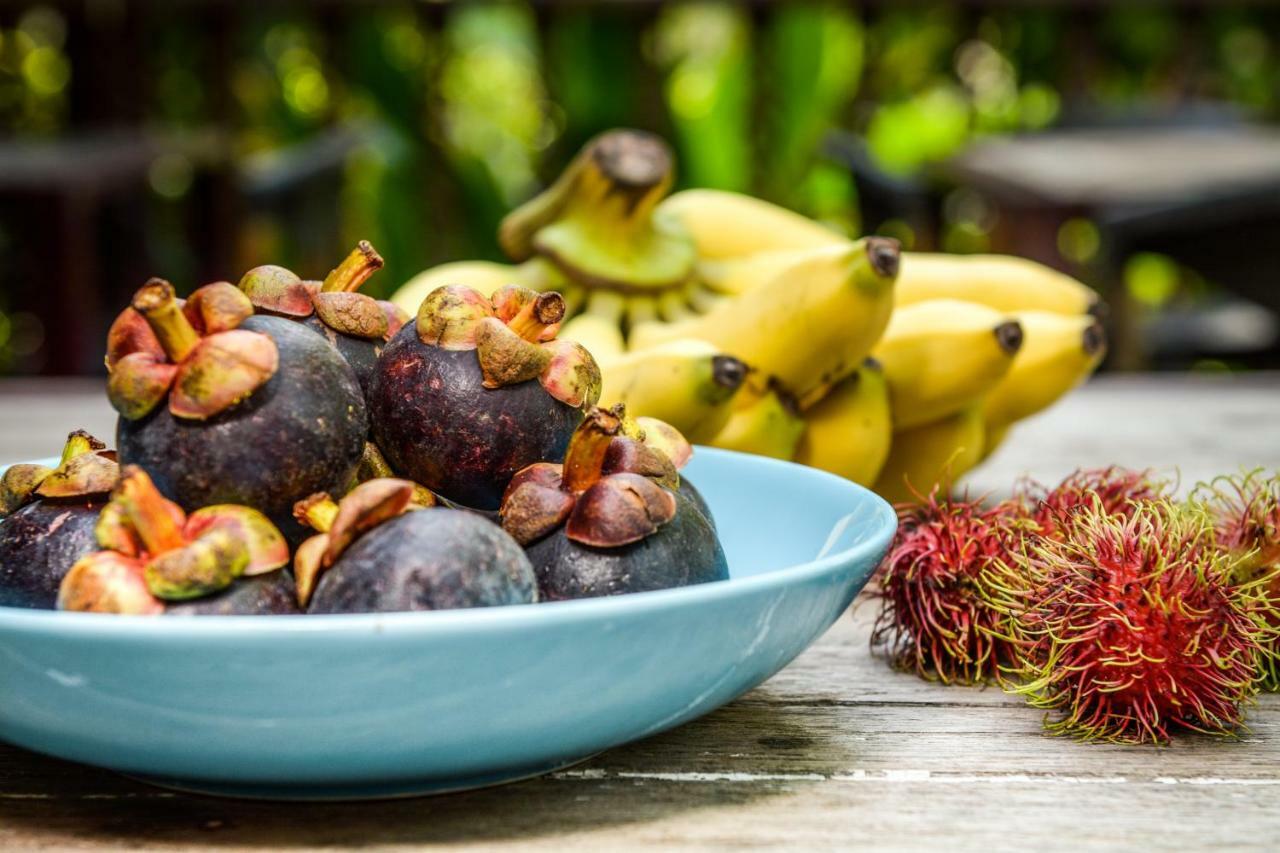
column 617, row 179
column 584, row 460
column 537, row 315
column 148, row 512
column 156, row 302
column 354, row 270
column 317, row 511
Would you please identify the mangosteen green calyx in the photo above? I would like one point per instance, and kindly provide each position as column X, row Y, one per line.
column 377, row 552
column 477, row 388
column 356, row 325
column 155, row 559
column 47, row 516
column 612, row 518
column 220, row 406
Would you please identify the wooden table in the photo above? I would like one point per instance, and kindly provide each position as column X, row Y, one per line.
column 835, row 751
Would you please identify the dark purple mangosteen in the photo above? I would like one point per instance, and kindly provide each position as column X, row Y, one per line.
column 612, row 518
column 478, row 388
column 154, row 559
column 272, row 594
column 377, row 552
column 47, row 519
column 357, row 326
column 260, row 411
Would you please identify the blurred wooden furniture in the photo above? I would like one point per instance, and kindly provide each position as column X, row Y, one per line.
column 835, row 752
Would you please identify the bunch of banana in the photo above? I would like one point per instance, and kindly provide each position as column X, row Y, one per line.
column 750, row 327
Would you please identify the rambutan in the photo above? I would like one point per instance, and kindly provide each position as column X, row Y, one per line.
column 932, row 617
column 1116, row 489
column 1245, row 513
column 1130, row 625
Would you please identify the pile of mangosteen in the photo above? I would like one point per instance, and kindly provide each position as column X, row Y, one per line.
column 287, row 446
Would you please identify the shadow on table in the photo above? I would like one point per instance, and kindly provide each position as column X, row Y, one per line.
column 739, row 754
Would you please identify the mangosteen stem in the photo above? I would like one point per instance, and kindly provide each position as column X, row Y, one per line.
column 354, row 270
column 155, row 301
column 317, row 511
column 78, row 444
column 584, row 460
column 532, row 321
column 373, row 464
column 147, row 510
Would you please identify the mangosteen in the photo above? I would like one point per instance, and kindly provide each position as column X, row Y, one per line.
column 357, row 326
column 154, row 559
column 378, row 552
column 612, row 519
column 478, row 388
column 260, row 411
column 47, row 519
column 271, row 594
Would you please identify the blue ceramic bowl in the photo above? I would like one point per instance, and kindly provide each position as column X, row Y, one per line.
column 376, row 705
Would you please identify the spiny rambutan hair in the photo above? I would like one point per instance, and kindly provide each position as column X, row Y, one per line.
column 1130, row 626
column 1115, row 488
column 1244, row 510
column 932, row 618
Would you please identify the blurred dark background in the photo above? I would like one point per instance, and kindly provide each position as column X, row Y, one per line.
column 1133, row 145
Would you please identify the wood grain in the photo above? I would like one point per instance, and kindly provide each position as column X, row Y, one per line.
column 836, row 751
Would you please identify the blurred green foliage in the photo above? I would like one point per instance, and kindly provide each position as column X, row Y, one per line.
column 462, row 110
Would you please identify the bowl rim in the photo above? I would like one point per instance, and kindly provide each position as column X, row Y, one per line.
column 513, row 616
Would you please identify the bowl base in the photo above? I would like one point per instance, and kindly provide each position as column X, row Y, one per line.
column 340, row 793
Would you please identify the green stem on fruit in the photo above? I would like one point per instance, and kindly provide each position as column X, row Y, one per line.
column 78, row 444
column 156, row 302
column 547, row 309
column 354, row 270
column 584, row 460
column 317, row 511
column 151, row 516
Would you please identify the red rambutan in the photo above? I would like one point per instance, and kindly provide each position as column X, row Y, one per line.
column 1130, row 625
column 933, row 619
column 1245, row 513
column 1115, row 488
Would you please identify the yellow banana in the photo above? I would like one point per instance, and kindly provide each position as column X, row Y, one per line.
column 484, row 276
column 995, row 436
column 1057, row 353
column 943, row 355
column 848, row 431
column 598, row 327
column 938, row 452
column 727, row 224
column 766, row 423
column 687, row 383
column 744, row 273
column 1002, row 282
column 812, row 324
